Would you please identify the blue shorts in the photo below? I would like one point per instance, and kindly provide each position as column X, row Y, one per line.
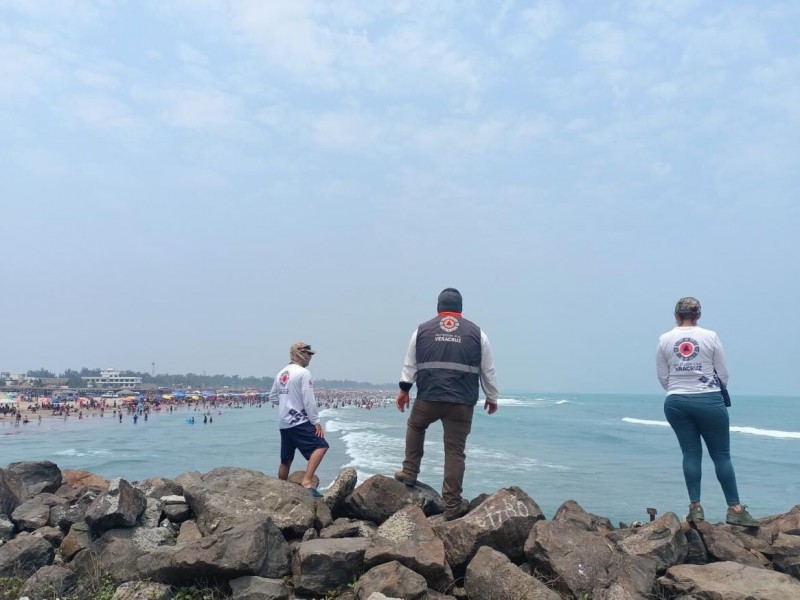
column 301, row 437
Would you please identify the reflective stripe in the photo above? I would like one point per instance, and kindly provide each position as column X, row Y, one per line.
column 449, row 365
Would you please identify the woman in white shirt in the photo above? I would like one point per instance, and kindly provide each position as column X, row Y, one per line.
column 690, row 363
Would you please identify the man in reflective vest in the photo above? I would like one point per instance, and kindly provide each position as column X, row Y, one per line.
column 449, row 357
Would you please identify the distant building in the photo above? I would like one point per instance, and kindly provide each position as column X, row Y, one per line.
column 112, row 379
column 18, row 380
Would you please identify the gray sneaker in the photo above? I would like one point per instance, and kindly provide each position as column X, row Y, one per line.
column 695, row 514
column 741, row 518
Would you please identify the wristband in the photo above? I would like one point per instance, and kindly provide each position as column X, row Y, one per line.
column 405, row 386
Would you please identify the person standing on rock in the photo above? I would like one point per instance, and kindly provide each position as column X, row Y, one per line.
column 448, row 358
column 298, row 418
column 690, row 364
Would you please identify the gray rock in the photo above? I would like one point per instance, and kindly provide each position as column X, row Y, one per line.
column 572, row 513
column 490, row 574
column 408, row 538
column 142, row 590
column 158, row 487
column 723, row 546
column 37, row 476
column 728, row 581
column 253, row 547
column 321, row 566
column 662, row 540
column 78, row 538
column 786, row 554
column 66, row 515
column 583, row 562
column 225, row 496
column 24, row 555
column 322, row 516
column 784, row 523
column 52, row 534
column 49, row 582
column 696, row 553
column 35, row 513
column 341, row 488
column 392, row 579
column 502, row 521
column 379, row 497
column 259, row 588
column 12, row 491
column 151, row 516
column 189, row 533
column 344, row 528
column 177, row 513
column 6, row 528
column 310, row 534
column 120, row 506
column 168, row 500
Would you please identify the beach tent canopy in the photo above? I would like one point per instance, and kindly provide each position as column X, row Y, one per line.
column 8, row 400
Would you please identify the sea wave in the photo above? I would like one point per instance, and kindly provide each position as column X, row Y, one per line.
column 78, row 452
column 336, row 425
column 563, row 402
column 773, row 433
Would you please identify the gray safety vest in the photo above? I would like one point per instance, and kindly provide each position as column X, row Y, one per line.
column 448, row 360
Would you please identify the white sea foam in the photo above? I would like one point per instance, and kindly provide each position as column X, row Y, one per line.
column 773, row 433
column 563, row 402
column 336, row 425
column 77, row 452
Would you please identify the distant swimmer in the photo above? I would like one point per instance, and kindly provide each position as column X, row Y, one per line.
column 205, row 419
column 120, row 416
column 211, row 419
column 135, row 418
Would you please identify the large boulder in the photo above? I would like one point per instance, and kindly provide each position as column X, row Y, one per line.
column 66, row 515
column 502, row 521
column 35, row 513
column 344, row 527
column 379, row 497
column 188, row 533
column 37, row 476
column 251, row 587
column 728, row 581
column 225, row 496
column 788, row 522
column 78, row 538
column 572, row 513
column 408, row 538
column 394, row 581
column 120, row 506
column 12, row 491
column 662, row 540
column 583, row 562
column 24, row 555
column 341, row 488
column 490, row 574
column 158, row 487
column 724, row 546
column 80, row 480
column 322, row 566
column 696, row 553
column 49, row 582
column 786, row 554
column 52, row 534
column 254, row 546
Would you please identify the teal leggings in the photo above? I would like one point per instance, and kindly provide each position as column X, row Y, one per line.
column 696, row 416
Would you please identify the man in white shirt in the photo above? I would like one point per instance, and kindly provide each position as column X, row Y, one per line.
column 298, row 418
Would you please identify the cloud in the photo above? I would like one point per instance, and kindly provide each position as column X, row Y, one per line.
column 203, row 109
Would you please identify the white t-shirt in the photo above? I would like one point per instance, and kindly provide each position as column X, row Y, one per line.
column 686, row 358
column 293, row 392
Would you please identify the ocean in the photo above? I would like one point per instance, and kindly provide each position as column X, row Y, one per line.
column 614, row 454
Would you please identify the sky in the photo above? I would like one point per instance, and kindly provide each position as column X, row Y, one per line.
column 200, row 183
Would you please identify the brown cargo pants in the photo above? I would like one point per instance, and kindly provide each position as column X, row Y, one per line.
column 457, row 422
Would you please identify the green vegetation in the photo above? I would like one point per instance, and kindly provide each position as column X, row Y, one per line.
column 10, row 587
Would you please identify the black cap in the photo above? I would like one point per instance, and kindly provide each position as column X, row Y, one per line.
column 449, row 301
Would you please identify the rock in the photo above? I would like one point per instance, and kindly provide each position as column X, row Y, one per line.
column 344, row 528
column 12, row 491
column 37, row 476
column 662, row 540
column 49, row 582
column 310, row 534
column 77, row 539
column 477, row 501
column 341, row 488
column 189, row 532
column 394, row 580
column 321, row 566
column 177, row 513
column 65, row 516
column 169, row 500
column 379, row 497
column 120, row 506
column 151, row 516
column 408, row 538
column 322, row 516
column 253, row 547
column 158, row 487
column 695, row 550
column 786, row 554
column 142, row 590
column 297, row 478
column 259, row 588
column 227, row 495
column 502, row 521
column 723, row 546
column 783, row 523
column 750, row 538
column 24, row 555
column 6, row 528
column 52, row 534
column 583, row 562
column 83, row 479
column 571, row 513
column 728, row 581
column 490, row 574
column 35, row 513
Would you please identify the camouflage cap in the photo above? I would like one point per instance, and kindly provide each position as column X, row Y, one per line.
column 301, row 347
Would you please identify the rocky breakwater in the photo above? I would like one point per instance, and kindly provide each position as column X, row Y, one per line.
column 250, row 536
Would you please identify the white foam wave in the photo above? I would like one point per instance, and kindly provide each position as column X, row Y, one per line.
column 563, row 402
column 335, row 425
column 773, row 433
column 77, row 452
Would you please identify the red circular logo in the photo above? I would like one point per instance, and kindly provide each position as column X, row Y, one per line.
column 686, row 348
column 284, row 378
